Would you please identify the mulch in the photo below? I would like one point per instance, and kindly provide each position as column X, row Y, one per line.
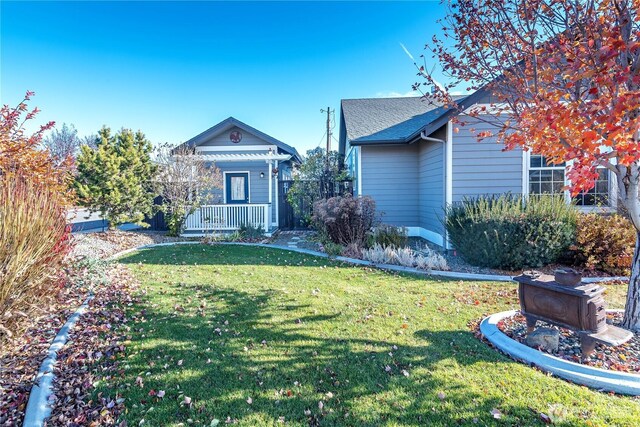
column 21, row 357
column 94, row 339
column 93, row 353
column 623, row 358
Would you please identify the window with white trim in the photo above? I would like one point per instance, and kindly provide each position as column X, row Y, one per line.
column 548, row 178
column 599, row 194
column 544, row 177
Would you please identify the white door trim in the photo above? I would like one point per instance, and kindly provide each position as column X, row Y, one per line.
column 224, row 184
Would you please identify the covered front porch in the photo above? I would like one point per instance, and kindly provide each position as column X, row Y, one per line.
column 249, row 194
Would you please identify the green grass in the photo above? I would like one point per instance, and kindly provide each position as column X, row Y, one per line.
column 288, row 331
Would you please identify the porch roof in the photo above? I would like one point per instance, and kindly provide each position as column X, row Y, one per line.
column 243, row 157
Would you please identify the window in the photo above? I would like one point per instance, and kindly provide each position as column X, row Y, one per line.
column 545, row 178
column 598, row 195
column 237, row 188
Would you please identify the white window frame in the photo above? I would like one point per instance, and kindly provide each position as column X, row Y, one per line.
column 612, row 202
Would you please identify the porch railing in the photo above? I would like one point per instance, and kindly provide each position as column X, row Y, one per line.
column 228, row 217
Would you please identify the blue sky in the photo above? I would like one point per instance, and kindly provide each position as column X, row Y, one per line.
column 173, row 70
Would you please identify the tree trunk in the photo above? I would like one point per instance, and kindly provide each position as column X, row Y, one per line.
column 632, row 310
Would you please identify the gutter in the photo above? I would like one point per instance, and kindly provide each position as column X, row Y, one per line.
column 424, row 137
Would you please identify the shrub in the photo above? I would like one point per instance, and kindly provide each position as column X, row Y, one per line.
column 250, row 233
column 345, row 219
column 605, row 243
column 116, row 177
column 352, row 251
column 426, row 259
column 35, row 241
column 22, row 158
column 332, row 249
column 389, row 235
column 505, row 232
column 246, row 233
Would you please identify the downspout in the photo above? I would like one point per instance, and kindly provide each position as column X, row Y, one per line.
column 424, row 137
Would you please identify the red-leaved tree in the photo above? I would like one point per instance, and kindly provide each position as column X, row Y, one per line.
column 562, row 79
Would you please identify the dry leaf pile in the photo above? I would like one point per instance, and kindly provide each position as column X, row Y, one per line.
column 92, row 354
column 21, row 357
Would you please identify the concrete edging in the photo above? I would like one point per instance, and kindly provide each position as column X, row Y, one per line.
column 600, row 379
column 391, row 267
column 38, row 409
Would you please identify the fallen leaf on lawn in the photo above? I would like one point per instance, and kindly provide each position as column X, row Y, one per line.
column 160, row 394
column 441, row 395
column 546, row 418
column 496, row 414
column 249, row 400
column 180, row 362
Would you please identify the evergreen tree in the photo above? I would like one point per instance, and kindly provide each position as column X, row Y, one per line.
column 115, row 177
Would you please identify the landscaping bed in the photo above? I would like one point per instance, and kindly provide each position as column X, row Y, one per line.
column 457, row 263
column 624, row 358
column 105, row 244
column 21, row 357
column 259, row 336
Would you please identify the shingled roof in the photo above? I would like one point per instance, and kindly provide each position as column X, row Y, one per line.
column 389, row 120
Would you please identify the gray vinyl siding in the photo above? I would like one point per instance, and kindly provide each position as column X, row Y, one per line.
column 258, row 187
column 482, row 168
column 390, row 177
column 431, row 187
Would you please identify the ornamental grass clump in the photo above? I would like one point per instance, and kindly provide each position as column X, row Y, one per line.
column 507, row 232
column 425, row 259
column 35, row 240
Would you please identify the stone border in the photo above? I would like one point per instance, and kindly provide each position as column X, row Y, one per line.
column 38, row 410
column 600, row 379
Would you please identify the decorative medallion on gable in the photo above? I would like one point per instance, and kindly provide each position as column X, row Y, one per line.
column 235, row 136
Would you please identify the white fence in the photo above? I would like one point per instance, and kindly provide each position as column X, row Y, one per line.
column 228, row 217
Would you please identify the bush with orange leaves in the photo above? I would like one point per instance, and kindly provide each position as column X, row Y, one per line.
column 20, row 155
column 605, row 243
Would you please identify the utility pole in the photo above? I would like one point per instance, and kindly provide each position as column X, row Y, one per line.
column 328, row 111
column 326, row 167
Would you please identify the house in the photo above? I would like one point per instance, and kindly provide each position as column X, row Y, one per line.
column 252, row 164
column 413, row 161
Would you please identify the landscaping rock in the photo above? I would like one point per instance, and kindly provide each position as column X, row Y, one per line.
column 544, row 338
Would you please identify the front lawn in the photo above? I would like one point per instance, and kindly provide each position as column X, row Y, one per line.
column 261, row 336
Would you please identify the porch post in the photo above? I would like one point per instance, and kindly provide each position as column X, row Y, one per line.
column 268, row 219
column 277, row 195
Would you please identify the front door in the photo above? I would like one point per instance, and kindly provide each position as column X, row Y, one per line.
column 237, row 187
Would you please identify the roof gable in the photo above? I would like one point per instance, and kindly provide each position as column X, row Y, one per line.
column 231, row 123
